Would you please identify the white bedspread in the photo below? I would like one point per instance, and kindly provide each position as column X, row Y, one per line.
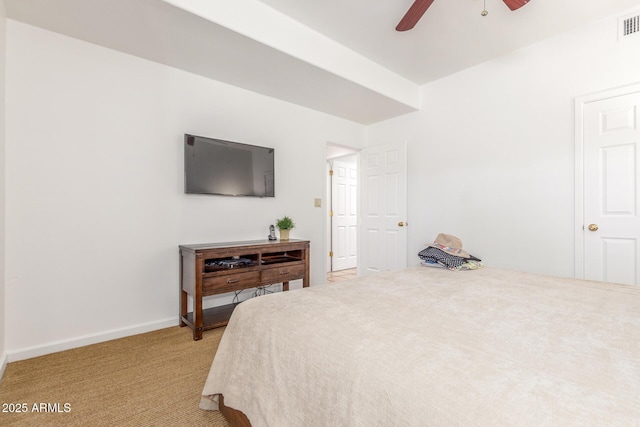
column 428, row 346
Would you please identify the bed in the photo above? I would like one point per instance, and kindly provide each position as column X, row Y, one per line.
column 427, row 346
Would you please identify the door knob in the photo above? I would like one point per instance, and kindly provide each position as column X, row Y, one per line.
column 402, row 224
column 593, row 227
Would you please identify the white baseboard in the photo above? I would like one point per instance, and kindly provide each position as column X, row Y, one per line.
column 3, row 364
column 54, row 347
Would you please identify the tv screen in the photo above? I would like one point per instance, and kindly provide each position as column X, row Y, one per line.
column 215, row 166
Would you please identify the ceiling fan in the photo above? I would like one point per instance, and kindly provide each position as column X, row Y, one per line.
column 419, row 7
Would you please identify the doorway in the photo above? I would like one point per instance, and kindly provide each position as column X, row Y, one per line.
column 342, row 212
column 380, row 201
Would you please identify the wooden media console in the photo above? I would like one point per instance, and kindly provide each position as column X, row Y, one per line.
column 217, row 268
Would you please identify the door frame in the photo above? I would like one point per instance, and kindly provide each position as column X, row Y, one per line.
column 580, row 102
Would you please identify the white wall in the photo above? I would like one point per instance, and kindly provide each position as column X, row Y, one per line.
column 3, row 21
column 94, row 193
column 95, row 207
column 491, row 153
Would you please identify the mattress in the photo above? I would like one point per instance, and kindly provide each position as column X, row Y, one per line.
column 425, row 346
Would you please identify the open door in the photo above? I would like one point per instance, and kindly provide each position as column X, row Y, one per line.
column 383, row 208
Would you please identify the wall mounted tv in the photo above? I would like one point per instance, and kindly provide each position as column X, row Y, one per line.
column 215, row 166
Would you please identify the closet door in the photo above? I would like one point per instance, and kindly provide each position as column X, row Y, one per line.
column 344, row 221
column 611, row 162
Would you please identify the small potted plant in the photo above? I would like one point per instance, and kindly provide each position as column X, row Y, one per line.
column 284, row 224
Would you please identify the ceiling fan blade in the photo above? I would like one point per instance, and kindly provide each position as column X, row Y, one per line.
column 515, row 4
column 413, row 15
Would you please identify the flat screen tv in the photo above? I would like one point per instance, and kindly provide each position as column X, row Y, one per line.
column 215, row 166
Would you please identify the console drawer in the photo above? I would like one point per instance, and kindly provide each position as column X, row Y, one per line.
column 230, row 282
column 283, row 273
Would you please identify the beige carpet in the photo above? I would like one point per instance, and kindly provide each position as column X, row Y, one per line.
column 152, row 379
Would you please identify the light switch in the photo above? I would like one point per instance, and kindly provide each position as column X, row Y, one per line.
column 317, row 203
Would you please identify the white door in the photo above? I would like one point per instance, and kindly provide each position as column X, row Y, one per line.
column 344, row 219
column 611, row 161
column 383, row 207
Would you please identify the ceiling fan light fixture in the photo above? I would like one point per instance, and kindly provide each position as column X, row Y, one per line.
column 419, row 7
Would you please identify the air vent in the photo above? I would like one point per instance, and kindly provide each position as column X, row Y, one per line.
column 629, row 25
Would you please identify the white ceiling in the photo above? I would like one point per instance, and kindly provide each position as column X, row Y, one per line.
column 341, row 57
column 451, row 36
